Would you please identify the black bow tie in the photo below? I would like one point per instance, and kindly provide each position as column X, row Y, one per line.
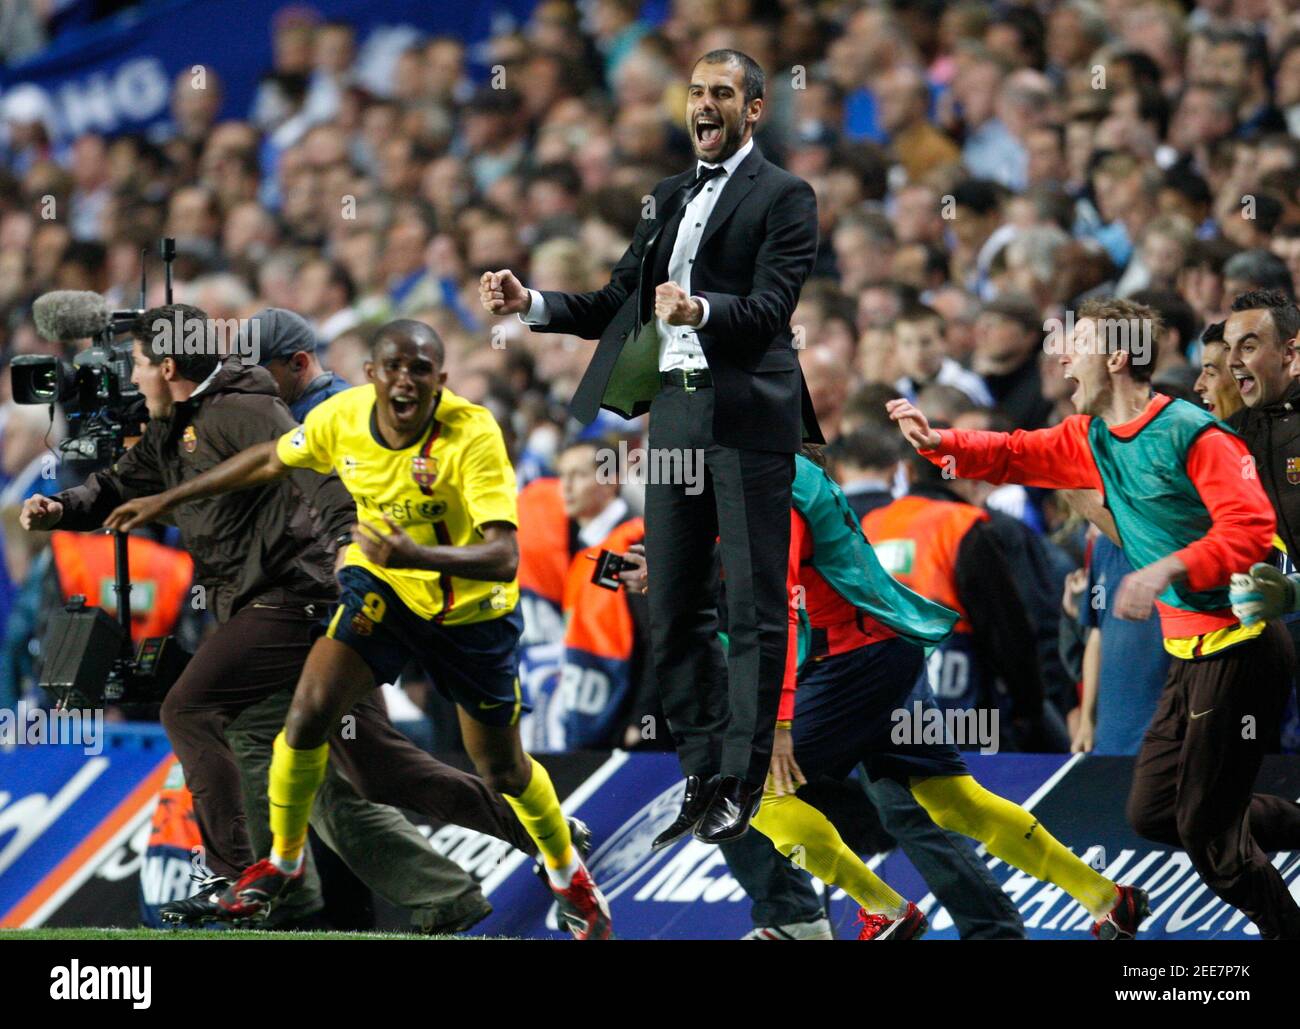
column 703, row 175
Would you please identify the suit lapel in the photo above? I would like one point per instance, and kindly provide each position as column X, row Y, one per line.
column 736, row 189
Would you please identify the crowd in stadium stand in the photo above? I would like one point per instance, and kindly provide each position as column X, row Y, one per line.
column 980, row 170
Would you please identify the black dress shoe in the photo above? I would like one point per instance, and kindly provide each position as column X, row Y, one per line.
column 694, row 802
column 727, row 817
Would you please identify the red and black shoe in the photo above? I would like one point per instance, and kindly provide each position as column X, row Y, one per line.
column 911, row 926
column 1124, row 918
column 252, row 895
column 582, row 909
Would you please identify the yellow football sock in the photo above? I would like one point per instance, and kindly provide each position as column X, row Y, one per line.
column 538, row 809
column 803, row 834
column 959, row 803
column 295, row 777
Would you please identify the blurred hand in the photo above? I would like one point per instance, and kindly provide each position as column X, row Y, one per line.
column 631, row 737
column 501, row 293
column 1082, row 741
column 1075, row 583
column 40, row 513
column 913, row 424
column 1138, row 590
column 675, row 306
column 784, row 775
column 393, row 549
column 637, row 579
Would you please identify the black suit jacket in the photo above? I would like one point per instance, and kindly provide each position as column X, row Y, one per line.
column 758, row 247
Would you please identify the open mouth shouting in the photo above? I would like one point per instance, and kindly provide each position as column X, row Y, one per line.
column 708, row 133
column 1246, row 384
column 404, row 406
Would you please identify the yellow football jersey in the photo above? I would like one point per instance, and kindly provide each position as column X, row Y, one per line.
column 441, row 490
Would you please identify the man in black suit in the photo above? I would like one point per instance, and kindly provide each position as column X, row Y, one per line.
column 694, row 327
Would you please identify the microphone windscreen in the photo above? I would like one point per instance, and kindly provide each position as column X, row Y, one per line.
column 65, row 315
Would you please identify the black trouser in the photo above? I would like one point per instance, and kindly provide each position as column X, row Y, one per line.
column 1194, row 778
column 742, row 497
column 259, row 652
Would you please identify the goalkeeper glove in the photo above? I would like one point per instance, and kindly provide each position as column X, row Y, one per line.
column 1262, row 595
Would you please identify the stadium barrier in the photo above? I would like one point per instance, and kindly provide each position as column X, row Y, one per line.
column 79, row 845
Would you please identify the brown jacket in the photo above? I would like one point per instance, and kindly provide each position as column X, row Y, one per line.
column 271, row 544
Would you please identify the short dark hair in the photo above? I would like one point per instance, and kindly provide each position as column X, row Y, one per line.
column 342, row 278
column 755, row 82
column 1263, row 269
column 1210, row 253
column 1280, row 307
column 982, row 196
column 192, row 367
column 418, row 331
column 871, row 446
column 919, row 312
column 869, row 401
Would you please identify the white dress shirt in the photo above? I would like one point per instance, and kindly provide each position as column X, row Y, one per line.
column 679, row 346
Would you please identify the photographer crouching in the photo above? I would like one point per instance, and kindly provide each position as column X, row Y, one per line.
column 266, row 558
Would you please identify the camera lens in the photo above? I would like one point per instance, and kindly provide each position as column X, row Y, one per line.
column 45, row 383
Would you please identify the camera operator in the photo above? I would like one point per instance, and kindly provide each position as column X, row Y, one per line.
column 267, row 571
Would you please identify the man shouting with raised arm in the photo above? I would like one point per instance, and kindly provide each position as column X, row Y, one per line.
column 1188, row 514
column 694, row 327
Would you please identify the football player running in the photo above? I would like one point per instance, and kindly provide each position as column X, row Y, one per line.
column 430, row 575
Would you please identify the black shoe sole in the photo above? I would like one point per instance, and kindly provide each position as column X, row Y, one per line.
column 671, row 835
column 178, row 920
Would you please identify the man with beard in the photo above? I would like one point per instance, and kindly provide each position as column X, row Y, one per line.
column 694, row 327
column 1171, row 477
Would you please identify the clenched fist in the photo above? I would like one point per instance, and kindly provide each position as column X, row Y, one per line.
column 40, row 513
column 502, row 293
column 675, row 306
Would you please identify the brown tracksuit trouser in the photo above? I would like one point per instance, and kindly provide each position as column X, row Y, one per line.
column 261, row 651
column 1194, row 778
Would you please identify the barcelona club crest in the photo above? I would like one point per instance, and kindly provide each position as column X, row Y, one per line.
column 190, row 440
column 1293, row 470
column 424, row 470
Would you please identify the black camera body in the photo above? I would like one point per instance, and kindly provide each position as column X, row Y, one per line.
column 608, row 565
column 100, row 402
column 88, row 655
column 82, row 668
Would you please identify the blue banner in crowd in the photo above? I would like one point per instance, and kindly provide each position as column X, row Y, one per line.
column 115, row 76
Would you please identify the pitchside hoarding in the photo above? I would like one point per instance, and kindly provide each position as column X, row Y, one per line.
column 75, row 847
